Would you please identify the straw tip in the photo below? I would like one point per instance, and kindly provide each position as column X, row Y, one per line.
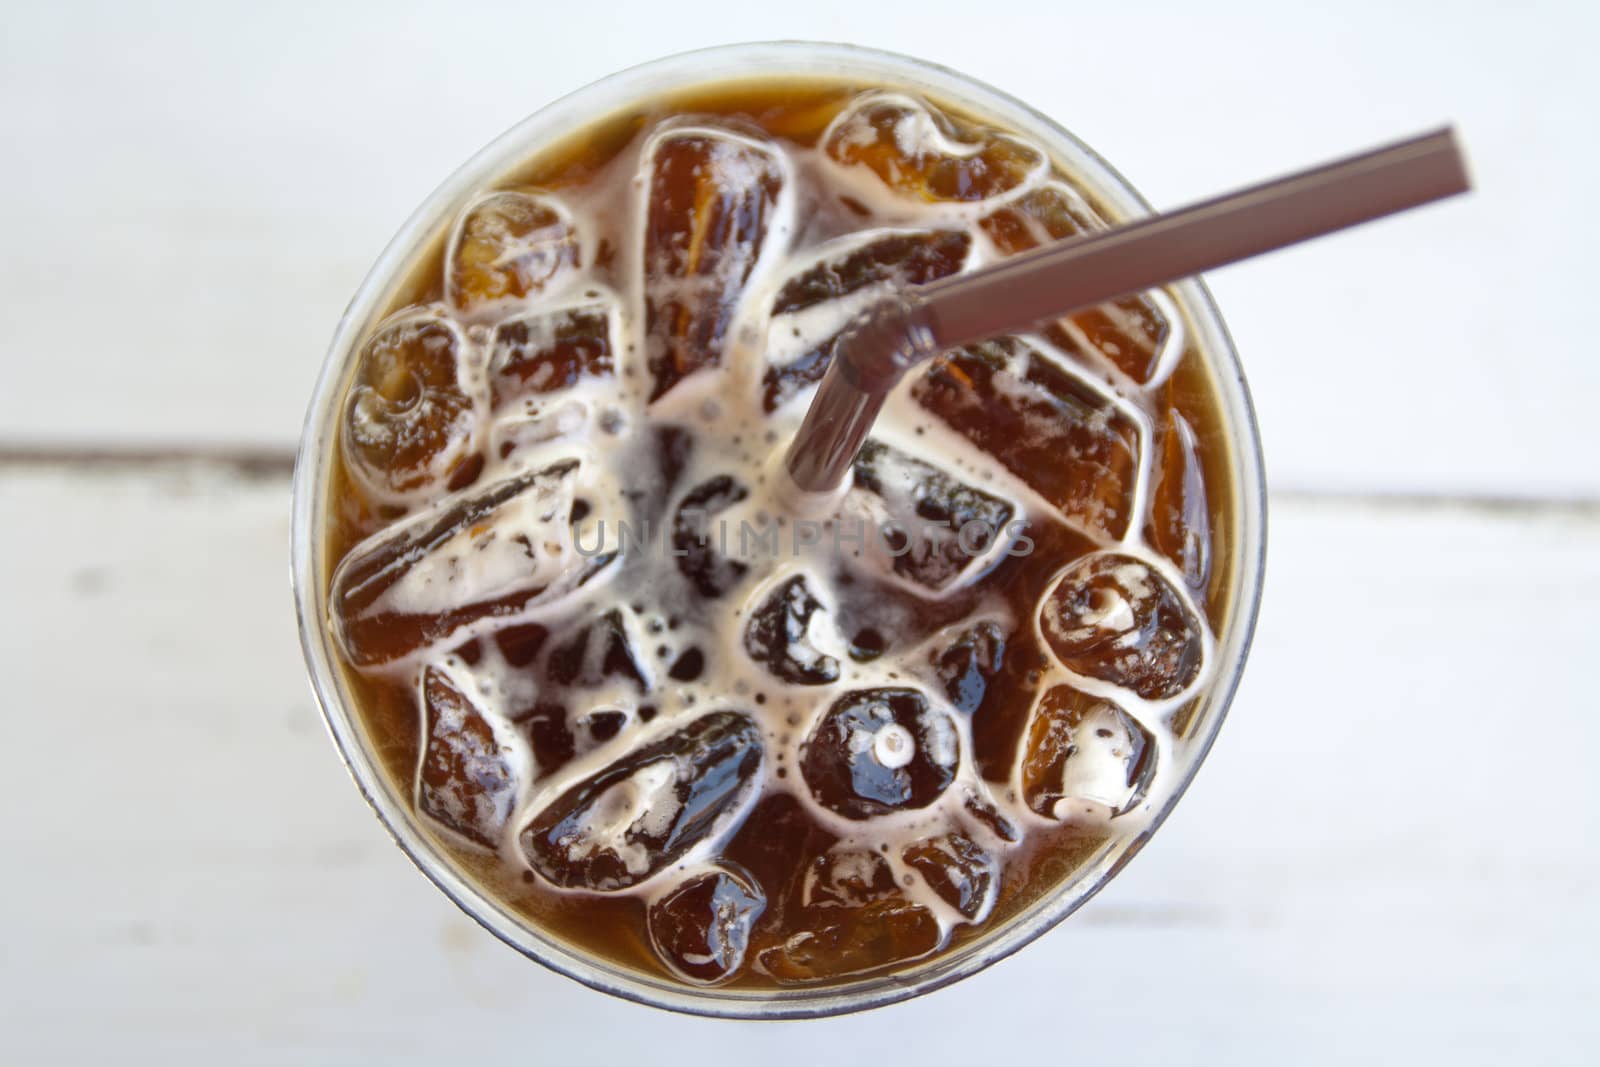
column 1456, row 153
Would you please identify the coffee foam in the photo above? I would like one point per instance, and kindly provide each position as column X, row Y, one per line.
column 603, row 422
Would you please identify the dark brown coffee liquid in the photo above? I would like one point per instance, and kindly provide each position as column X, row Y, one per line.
column 1044, row 447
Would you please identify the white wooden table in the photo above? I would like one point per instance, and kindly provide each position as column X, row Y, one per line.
column 1392, row 852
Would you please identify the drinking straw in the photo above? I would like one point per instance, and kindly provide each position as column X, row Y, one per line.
column 913, row 325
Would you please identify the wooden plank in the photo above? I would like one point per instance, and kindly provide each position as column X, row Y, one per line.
column 191, row 195
column 1391, row 853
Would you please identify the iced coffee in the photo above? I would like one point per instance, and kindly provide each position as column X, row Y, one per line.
column 657, row 713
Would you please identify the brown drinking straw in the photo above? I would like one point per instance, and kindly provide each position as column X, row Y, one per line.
column 910, row 326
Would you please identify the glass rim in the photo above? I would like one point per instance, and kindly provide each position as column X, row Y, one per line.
column 569, row 114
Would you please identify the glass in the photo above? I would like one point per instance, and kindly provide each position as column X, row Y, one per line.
column 377, row 291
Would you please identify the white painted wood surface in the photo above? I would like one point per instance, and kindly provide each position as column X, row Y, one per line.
column 189, row 194
column 1396, row 861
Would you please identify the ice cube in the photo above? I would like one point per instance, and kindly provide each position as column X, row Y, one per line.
column 848, row 878
column 713, row 196
column 840, row 942
column 409, row 419
column 817, row 302
column 697, row 540
column 777, row 844
column 509, row 245
column 1132, row 333
column 970, row 661
column 880, row 750
column 526, row 433
column 1053, row 211
column 1074, row 446
column 959, row 870
column 880, row 258
column 852, row 918
column 779, row 635
column 467, row 776
column 603, row 651
column 544, row 352
column 1115, row 618
column 647, row 810
column 1180, row 513
column 986, row 815
column 921, row 153
column 922, row 524
column 490, row 553
column 1084, row 754
column 701, row 929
